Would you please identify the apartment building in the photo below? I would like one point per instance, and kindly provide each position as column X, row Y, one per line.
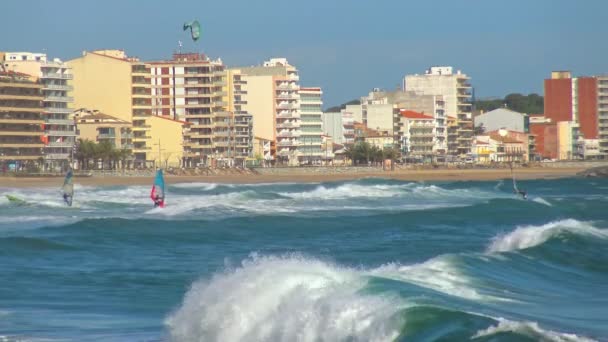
column 580, row 102
column 243, row 139
column 273, row 100
column 99, row 127
column 455, row 89
column 21, row 124
column 602, row 112
column 311, row 125
column 191, row 88
column 112, row 82
column 55, row 77
column 416, row 136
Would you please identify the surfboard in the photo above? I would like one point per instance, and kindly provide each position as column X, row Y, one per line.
column 15, row 200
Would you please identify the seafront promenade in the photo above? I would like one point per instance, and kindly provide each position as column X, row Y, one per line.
column 309, row 174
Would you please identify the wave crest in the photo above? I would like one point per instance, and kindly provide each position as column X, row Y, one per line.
column 284, row 299
column 530, row 236
column 531, row 330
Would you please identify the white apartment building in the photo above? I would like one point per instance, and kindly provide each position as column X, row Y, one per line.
column 55, row 76
column 455, row 89
column 311, row 125
column 190, row 87
column 333, row 127
column 417, row 135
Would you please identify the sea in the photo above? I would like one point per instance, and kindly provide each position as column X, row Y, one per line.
column 366, row 260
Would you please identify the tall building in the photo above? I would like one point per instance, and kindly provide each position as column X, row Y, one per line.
column 311, row 125
column 55, row 76
column 242, row 121
column 273, row 100
column 576, row 100
column 455, row 89
column 191, row 87
column 21, row 123
column 602, row 110
column 113, row 83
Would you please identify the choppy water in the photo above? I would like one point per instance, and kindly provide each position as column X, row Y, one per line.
column 369, row 260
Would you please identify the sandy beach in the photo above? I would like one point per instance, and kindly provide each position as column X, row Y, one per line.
column 305, row 175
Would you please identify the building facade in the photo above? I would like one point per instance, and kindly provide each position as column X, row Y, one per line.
column 273, row 100
column 577, row 100
column 22, row 136
column 455, row 89
column 55, row 76
column 416, row 136
column 311, row 125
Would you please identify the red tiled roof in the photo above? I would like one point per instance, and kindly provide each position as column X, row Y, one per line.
column 478, row 142
column 508, row 140
column 410, row 114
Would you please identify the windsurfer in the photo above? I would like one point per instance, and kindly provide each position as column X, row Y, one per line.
column 158, row 201
column 523, row 193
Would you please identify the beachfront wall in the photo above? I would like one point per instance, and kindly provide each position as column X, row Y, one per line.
column 168, row 137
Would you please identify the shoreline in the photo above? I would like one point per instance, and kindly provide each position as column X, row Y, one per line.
column 304, row 176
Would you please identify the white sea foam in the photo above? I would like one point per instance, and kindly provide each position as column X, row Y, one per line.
column 284, row 299
column 530, row 236
column 439, row 274
column 201, row 186
column 541, row 201
column 531, row 330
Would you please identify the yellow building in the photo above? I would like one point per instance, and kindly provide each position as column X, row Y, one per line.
column 111, row 82
column 564, row 140
column 98, row 127
column 167, row 145
column 21, row 124
column 381, row 141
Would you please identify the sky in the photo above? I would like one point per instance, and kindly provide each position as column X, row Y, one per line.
column 347, row 47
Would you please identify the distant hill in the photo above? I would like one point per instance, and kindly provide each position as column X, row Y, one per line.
column 528, row 104
column 342, row 106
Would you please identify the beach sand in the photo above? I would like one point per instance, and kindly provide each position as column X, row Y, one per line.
column 304, row 175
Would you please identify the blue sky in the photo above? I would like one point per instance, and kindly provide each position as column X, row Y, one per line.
column 347, row 47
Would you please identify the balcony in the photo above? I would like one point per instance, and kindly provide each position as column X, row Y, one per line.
column 61, row 133
column 58, row 87
column 288, row 115
column 127, row 146
column 288, row 134
column 288, row 143
column 287, row 106
column 22, row 145
column 106, row 136
column 60, row 122
column 57, row 76
column 59, row 99
column 56, row 156
column 60, row 144
column 220, row 104
column 56, row 110
column 21, row 133
column 240, row 102
column 240, row 92
column 287, row 86
column 288, row 124
column 290, row 96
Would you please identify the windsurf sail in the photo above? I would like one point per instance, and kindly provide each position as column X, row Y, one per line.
column 515, row 189
column 158, row 190
column 522, row 193
column 68, row 188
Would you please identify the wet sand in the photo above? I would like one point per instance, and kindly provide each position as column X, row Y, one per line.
column 304, row 175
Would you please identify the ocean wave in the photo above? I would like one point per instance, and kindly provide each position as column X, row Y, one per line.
column 530, row 330
column 195, row 185
column 530, row 236
column 285, row 299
